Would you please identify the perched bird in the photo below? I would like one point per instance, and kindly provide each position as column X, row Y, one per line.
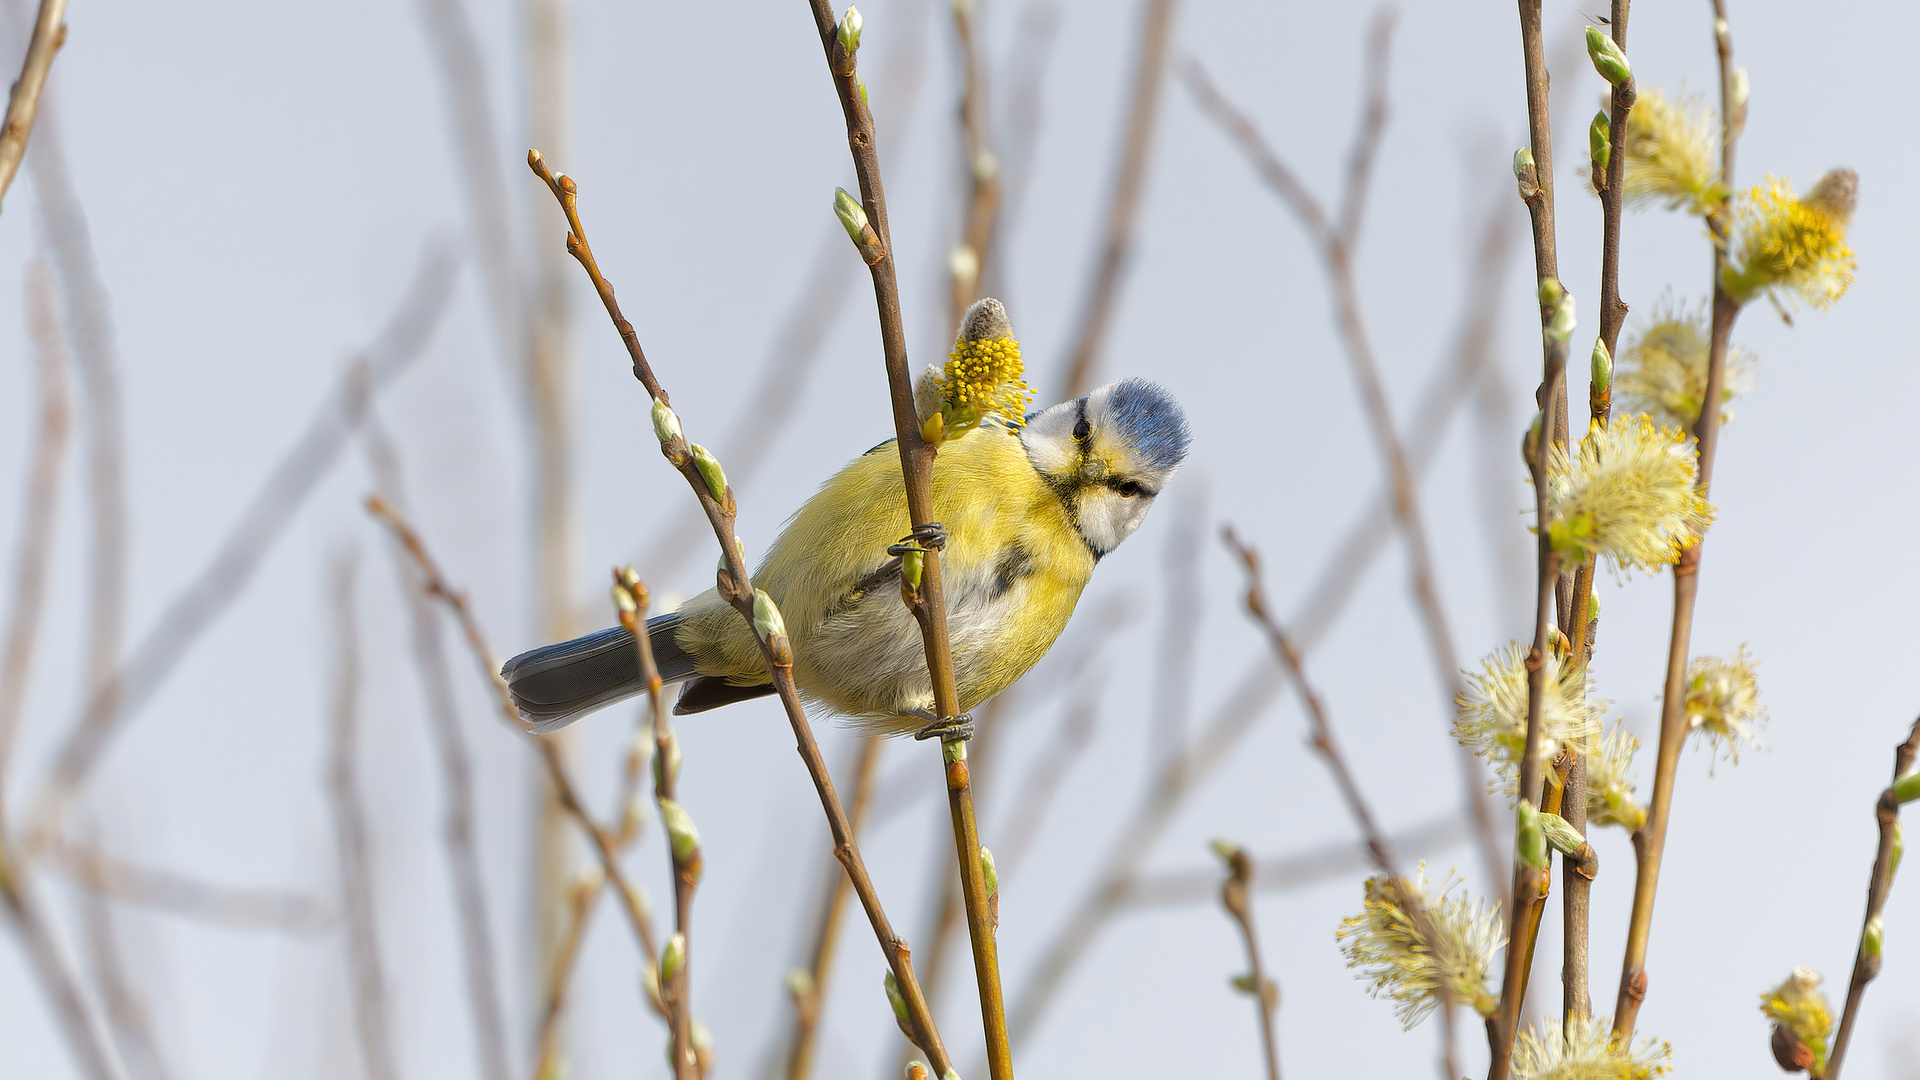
column 1028, row 508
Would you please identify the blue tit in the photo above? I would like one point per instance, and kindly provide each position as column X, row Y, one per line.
column 1029, row 509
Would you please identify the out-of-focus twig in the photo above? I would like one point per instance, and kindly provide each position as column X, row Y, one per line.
column 547, row 1059
column 40, row 514
column 1042, row 780
column 1866, row 961
column 1378, row 845
column 1265, row 993
column 1025, row 73
column 226, row 574
column 456, row 774
column 1123, row 206
column 368, row 982
column 23, row 102
column 810, row 998
column 1334, row 233
column 1279, row 873
column 981, row 204
column 227, row 906
column 86, row 1034
column 1179, row 625
column 125, row 1006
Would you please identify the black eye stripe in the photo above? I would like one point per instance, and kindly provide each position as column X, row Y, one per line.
column 1130, row 489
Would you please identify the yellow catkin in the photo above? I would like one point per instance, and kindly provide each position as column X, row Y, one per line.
column 981, row 378
column 1792, row 245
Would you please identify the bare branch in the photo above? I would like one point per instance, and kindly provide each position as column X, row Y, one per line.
column 23, row 102
column 86, row 1034
column 1280, row 873
column 230, row 907
column 1265, row 993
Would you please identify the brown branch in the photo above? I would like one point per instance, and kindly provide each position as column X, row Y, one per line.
column 1334, row 236
column 1026, row 70
column 1649, row 843
column 685, row 865
column 23, row 102
column 1044, row 778
column 809, row 1001
column 456, row 774
column 1886, row 810
column 227, row 573
column 1265, row 994
column 127, row 1012
column 230, row 907
column 1281, row 873
column 547, row 1061
column 927, row 600
column 39, row 516
column 368, row 982
column 1179, row 625
column 1288, row 652
column 86, row 1035
column 1123, row 206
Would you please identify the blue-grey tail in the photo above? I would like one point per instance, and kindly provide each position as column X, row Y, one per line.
column 555, row 685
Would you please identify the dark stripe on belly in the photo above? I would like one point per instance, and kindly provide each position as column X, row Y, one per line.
column 1013, row 565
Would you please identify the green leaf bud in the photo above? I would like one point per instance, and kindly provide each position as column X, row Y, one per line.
column 1550, row 292
column 1602, row 366
column 1245, row 984
column 1907, row 788
column 1599, row 140
column 682, row 837
column 1529, row 840
column 672, row 959
column 990, row 872
column 1899, row 849
column 849, row 29
column 1524, row 169
column 666, row 426
column 737, row 546
column 766, row 616
column 911, row 564
column 853, row 216
column 711, row 472
column 623, row 600
column 1872, row 938
column 1607, row 58
column 1563, row 837
column 1560, row 327
column 800, row 983
column 896, row 999
column 1226, row 850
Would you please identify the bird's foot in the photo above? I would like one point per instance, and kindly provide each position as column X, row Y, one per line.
column 929, row 537
column 948, row 729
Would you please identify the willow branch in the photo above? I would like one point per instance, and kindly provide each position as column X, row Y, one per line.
column 1334, row 235
column 351, row 838
column 227, row 573
column 86, row 1034
column 1284, row 873
column 456, row 774
column 1123, row 205
column 1265, row 994
column 1866, row 964
column 39, row 517
column 127, row 1012
column 229, row 907
column 735, row 587
column 23, row 102
column 1649, row 843
column 547, row 1060
column 982, row 204
column 928, row 600
column 811, row 999
column 1288, row 652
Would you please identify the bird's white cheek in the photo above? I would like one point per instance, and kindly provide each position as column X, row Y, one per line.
column 1106, row 518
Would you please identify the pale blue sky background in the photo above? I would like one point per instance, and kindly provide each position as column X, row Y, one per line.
column 259, row 178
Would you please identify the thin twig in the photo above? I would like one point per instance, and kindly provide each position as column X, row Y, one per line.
column 1026, row 70
column 23, row 102
column 238, row 908
column 1281, row 873
column 1378, row 845
column 1179, row 624
column 1334, row 235
column 547, row 1063
column 810, row 1001
column 1886, row 810
column 125, row 1006
column 39, row 517
column 227, row 573
column 1649, row 843
column 1265, row 994
column 1123, row 206
column 456, row 775
column 351, row 840
column 1042, row 780
column 737, row 589
column 982, row 202
column 86, row 1034
column 927, row 600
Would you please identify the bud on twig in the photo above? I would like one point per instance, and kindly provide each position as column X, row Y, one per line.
column 853, row 217
column 1564, row 838
column 1599, row 140
column 1907, row 788
column 1602, row 367
column 1529, row 840
column 666, row 426
column 1899, row 849
column 667, row 762
column 681, row 835
column 711, row 472
column 849, row 29
column 1525, row 173
column 899, row 1003
column 1872, row 938
column 1607, row 58
column 917, row 1070
column 766, row 616
column 1560, row 327
column 992, row 876
column 800, row 983
column 672, row 959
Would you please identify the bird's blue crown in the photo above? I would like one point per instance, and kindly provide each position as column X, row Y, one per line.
column 1151, row 422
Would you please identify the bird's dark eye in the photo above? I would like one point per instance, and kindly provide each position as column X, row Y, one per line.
column 1128, row 489
column 1081, row 430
